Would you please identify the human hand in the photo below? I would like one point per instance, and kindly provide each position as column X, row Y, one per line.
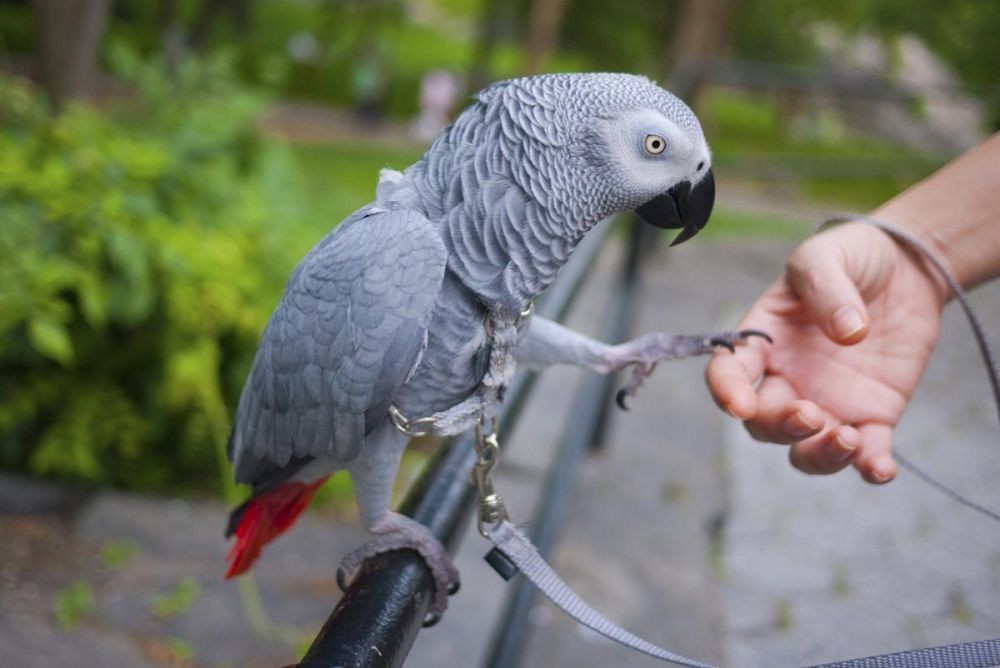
column 854, row 321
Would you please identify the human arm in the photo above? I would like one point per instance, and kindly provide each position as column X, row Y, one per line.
column 855, row 318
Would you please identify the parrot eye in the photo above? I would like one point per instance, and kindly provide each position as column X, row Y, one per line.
column 655, row 144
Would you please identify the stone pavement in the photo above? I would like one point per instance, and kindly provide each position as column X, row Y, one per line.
column 682, row 529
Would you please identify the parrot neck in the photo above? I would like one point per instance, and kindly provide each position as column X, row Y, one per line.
column 503, row 243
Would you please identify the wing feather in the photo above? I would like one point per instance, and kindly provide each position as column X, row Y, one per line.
column 343, row 338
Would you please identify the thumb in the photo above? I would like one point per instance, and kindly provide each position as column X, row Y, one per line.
column 818, row 273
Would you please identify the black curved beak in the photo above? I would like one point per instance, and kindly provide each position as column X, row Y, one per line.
column 681, row 207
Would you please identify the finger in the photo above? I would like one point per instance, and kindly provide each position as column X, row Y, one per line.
column 817, row 273
column 875, row 462
column 730, row 378
column 827, row 452
column 781, row 416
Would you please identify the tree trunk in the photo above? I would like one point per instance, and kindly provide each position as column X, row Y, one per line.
column 701, row 32
column 543, row 32
column 69, row 34
column 486, row 40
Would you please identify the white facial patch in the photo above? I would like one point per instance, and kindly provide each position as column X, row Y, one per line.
column 642, row 173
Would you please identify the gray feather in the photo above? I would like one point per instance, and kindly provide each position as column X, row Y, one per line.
column 340, row 342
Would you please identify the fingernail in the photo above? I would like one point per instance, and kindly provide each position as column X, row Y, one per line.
column 847, row 322
column 797, row 425
column 881, row 473
column 840, row 451
column 729, row 409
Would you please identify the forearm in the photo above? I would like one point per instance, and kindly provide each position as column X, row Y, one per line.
column 957, row 211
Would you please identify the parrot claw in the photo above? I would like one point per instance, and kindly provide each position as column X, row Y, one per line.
column 620, row 398
column 398, row 532
column 342, row 580
column 720, row 342
column 747, row 333
column 431, row 619
column 645, row 351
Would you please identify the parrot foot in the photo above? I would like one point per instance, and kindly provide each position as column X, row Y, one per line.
column 644, row 352
column 399, row 532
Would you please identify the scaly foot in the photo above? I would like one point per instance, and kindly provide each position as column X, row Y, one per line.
column 645, row 351
column 399, row 532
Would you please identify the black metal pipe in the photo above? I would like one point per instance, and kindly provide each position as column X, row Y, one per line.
column 586, row 424
column 378, row 618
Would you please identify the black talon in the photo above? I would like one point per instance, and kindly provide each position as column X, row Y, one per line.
column 454, row 587
column 431, row 619
column 747, row 333
column 620, row 399
column 342, row 580
column 722, row 342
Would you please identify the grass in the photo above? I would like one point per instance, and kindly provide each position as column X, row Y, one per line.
column 751, row 139
column 737, row 223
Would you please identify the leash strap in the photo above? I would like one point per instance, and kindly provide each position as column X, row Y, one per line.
column 517, row 547
column 981, row 654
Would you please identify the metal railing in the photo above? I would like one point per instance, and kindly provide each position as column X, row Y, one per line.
column 377, row 620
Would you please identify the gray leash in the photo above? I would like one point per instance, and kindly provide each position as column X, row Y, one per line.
column 513, row 551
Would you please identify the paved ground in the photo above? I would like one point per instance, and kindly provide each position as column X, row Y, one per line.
column 682, row 529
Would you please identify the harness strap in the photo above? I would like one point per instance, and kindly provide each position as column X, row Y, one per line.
column 518, row 548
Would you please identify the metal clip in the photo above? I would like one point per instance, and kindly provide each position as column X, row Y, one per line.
column 419, row 427
column 491, row 506
column 522, row 317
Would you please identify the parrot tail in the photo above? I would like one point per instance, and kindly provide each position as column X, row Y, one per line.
column 263, row 518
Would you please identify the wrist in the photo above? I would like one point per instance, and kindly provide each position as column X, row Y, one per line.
column 934, row 243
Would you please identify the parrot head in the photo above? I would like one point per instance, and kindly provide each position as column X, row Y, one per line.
column 655, row 157
column 597, row 144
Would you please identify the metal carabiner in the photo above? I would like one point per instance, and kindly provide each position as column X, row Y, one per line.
column 491, row 505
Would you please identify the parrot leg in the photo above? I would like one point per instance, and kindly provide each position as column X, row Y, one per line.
column 373, row 472
column 546, row 342
column 644, row 352
column 399, row 532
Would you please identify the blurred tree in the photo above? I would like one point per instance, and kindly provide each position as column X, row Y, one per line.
column 69, row 33
column 212, row 11
column 543, row 32
column 619, row 36
column 962, row 32
column 486, row 40
column 701, row 31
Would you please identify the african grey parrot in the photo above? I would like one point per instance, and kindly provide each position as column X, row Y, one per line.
column 414, row 310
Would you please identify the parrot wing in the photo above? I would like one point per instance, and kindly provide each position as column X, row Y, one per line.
column 348, row 330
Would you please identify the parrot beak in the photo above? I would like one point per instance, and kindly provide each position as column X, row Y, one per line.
column 682, row 207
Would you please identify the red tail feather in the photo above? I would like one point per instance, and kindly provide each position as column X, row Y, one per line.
column 264, row 518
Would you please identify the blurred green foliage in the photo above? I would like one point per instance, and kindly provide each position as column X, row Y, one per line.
column 73, row 604
column 144, row 246
column 753, row 140
column 139, row 263
column 177, row 601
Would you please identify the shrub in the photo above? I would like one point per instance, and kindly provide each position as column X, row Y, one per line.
column 139, row 258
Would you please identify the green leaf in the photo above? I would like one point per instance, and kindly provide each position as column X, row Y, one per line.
column 51, row 339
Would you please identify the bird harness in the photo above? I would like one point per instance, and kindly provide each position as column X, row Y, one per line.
column 502, row 332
